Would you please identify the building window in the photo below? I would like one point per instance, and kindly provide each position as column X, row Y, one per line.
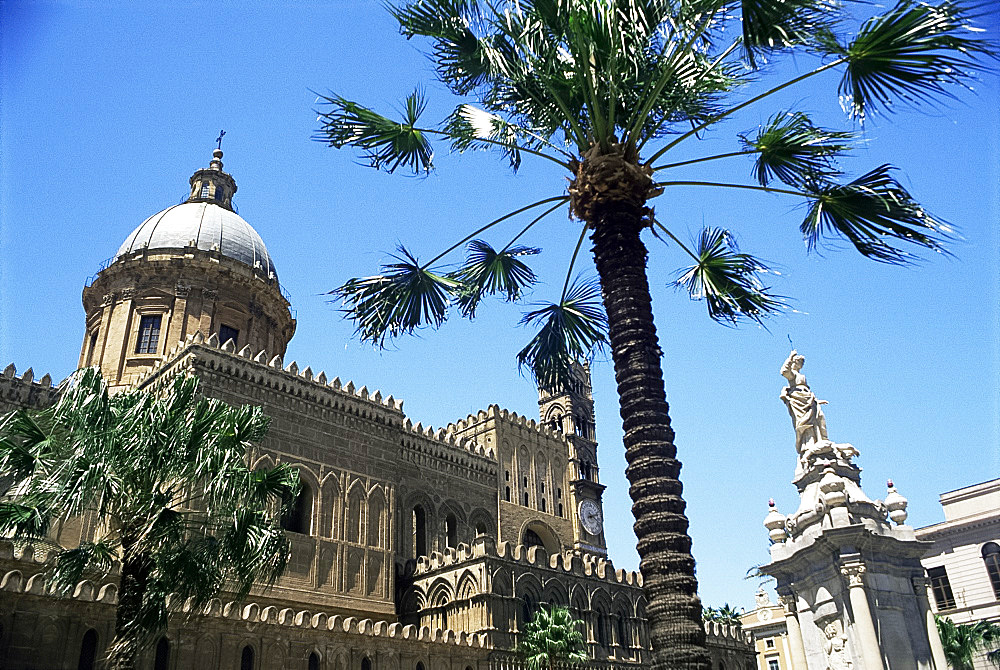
column 204, row 190
column 162, row 659
column 559, row 493
column 219, row 194
column 543, row 504
column 298, row 518
column 227, row 333
column 314, row 661
column 419, row 532
column 451, row 531
column 506, row 493
column 991, row 556
column 769, row 643
column 88, row 651
column 91, row 348
column 525, row 498
column 149, row 334
column 506, row 475
column 941, row 587
column 366, row 663
column 560, row 509
column 772, row 664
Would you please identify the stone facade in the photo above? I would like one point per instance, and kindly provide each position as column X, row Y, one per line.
column 766, row 622
column 963, row 562
column 412, row 547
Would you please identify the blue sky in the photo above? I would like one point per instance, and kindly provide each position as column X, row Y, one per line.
column 107, row 108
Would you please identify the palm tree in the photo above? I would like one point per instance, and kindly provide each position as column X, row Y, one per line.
column 164, row 472
column 552, row 636
column 607, row 89
column 963, row 641
column 726, row 614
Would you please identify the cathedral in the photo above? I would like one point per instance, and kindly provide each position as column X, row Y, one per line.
column 413, row 548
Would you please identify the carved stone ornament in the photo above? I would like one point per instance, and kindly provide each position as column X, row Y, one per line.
column 182, row 289
column 210, row 294
column 788, row 603
column 108, row 299
column 855, row 574
column 835, row 646
column 127, row 293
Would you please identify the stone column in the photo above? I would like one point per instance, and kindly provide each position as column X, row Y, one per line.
column 921, row 585
column 863, row 623
column 796, row 647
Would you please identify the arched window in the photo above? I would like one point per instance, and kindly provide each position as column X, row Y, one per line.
column 420, row 666
column 528, row 607
column 480, row 528
column 532, row 539
column 298, row 518
column 314, row 661
column 162, row 660
column 419, row 532
column 246, row 659
column 991, row 557
column 376, row 513
column 543, row 504
column 366, row 664
column 602, row 629
column 355, row 502
column 560, row 509
column 88, row 651
column 623, row 640
column 451, row 531
column 525, row 498
column 204, row 190
column 506, row 493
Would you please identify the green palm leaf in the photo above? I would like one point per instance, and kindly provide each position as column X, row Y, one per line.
column 405, row 297
column 571, row 329
column 728, row 281
column 770, row 25
column 473, row 128
column 794, row 150
column 872, row 212
column 488, row 272
column 910, row 54
column 386, row 144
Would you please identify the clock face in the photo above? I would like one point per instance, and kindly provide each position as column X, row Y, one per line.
column 590, row 517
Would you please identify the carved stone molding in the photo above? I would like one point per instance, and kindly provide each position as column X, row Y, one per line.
column 182, row 289
column 210, row 294
column 855, row 573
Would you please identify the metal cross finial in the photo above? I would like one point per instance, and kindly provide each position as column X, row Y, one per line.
column 222, row 133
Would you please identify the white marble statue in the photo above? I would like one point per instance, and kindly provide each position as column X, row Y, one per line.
column 804, row 407
column 836, row 647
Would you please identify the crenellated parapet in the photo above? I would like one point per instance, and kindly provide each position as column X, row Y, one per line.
column 509, row 418
column 570, row 563
column 23, row 574
column 270, row 372
column 25, row 391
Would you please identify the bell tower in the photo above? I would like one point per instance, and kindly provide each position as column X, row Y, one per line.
column 569, row 410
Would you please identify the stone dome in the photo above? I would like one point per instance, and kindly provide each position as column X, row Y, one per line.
column 207, row 226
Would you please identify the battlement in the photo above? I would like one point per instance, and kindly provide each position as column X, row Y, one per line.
column 578, row 565
column 510, row 418
column 25, row 391
column 719, row 633
column 362, row 399
column 15, row 581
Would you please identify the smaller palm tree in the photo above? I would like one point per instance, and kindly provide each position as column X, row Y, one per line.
column 962, row 642
column 552, row 637
column 165, row 474
column 726, row 614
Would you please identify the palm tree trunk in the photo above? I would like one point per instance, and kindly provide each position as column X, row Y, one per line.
column 667, row 566
column 136, row 570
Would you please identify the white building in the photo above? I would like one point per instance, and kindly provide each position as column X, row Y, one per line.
column 963, row 563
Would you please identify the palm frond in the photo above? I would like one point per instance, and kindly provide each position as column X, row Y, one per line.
column 791, row 148
column 461, row 58
column 473, row 128
column 873, row 212
column 728, row 281
column 405, row 297
column 571, row 329
column 769, row 25
column 70, row 564
column 489, row 272
column 384, row 143
column 910, row 54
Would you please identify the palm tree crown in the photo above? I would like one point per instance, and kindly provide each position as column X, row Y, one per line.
column 552, row 636
column 962, row 642
column 607, row 89
column 164, row 474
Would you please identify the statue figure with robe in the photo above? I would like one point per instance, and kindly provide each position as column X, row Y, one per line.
column 803, row 406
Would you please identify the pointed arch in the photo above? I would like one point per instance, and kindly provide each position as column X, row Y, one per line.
column 355, row 513
column 376, row 517
column 331, row 506
column 468, row 586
